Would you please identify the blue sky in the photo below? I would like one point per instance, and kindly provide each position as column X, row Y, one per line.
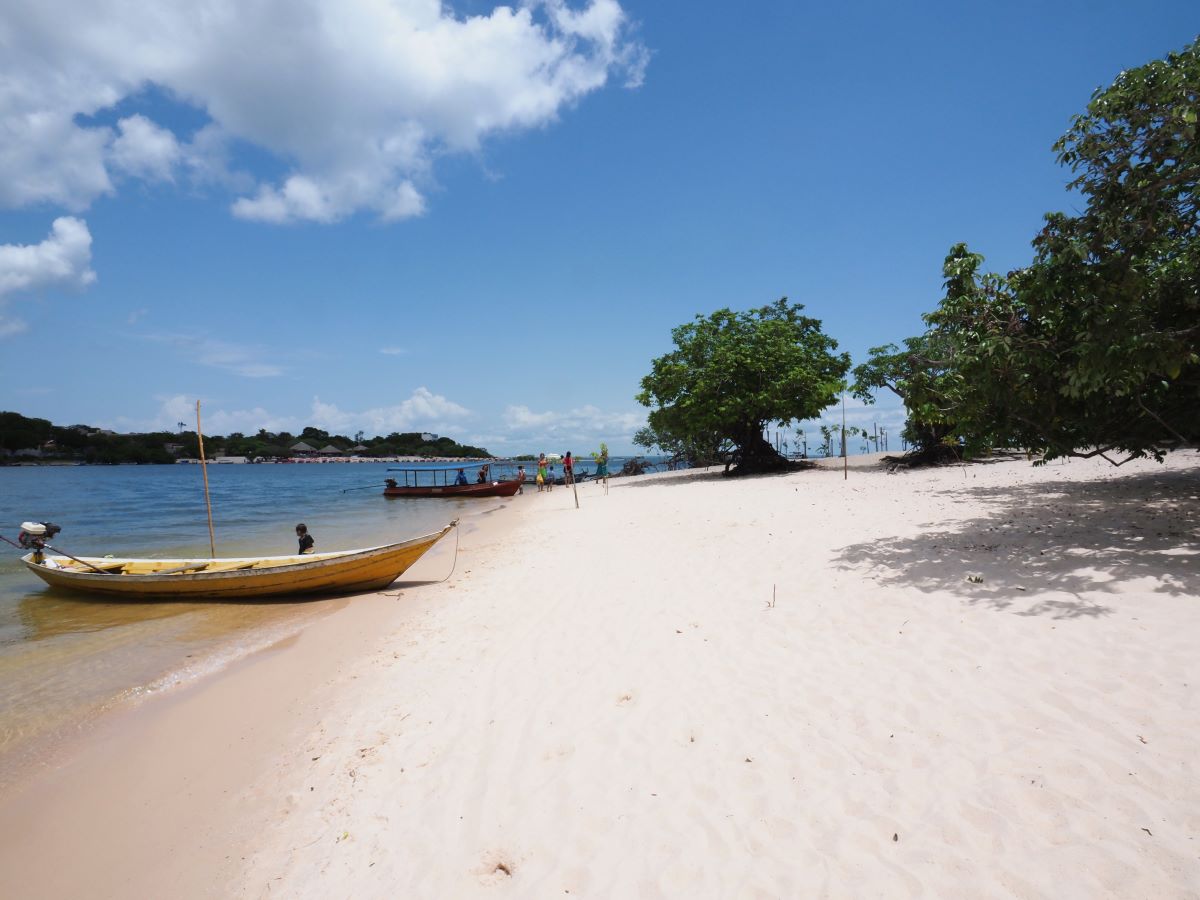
column 484, row 221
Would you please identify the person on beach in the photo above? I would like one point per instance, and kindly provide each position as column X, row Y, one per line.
column 306, row 540
column 460, row 478
column 602, row 466
column 568, row 469
column 521, row 479
column 550, row 478
column 541, row 472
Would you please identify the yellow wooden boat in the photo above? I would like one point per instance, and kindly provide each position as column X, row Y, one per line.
column 343, row 571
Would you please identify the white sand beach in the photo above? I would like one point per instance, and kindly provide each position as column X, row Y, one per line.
column 694, row 686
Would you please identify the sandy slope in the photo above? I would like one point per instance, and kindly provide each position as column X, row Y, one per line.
column 604, row 702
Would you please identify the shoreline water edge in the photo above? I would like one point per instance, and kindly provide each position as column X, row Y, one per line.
column 942, row 682
column 66, row 658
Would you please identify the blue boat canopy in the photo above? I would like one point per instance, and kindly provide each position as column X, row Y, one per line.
column 451, row 468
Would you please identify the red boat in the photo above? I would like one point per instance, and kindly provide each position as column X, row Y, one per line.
column 438, row 482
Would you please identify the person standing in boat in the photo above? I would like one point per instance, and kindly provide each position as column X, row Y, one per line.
column 306, row 540
column 460, row 478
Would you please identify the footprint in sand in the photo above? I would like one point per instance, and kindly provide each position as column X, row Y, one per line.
column 625, row 699
column 496, row 868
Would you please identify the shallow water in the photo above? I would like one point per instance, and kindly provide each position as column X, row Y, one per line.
column 65, row 657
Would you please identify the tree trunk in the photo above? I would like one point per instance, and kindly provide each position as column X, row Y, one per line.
column 754, row 454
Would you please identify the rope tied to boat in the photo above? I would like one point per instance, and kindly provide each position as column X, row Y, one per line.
column 454, row 564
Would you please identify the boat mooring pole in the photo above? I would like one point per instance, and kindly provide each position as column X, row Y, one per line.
column 574, row 488
column 212, row 544
column 845, row 451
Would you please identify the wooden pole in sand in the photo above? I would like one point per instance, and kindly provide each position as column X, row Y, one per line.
column 845, row 452
column 212, row 544
column 573, row 486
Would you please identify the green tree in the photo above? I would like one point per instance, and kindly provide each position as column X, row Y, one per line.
column 20, row 433
column 733, row 372
column 919, row 374
column 682, row 449
column 1094, row 349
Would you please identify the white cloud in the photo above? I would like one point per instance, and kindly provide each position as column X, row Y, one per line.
column 587, row 418
column 10, row 326
column 145, row 150
column 180, row 408
column 523, row 418
column 44, row 155
column 423, row 410
column 241, row 359
column 207, row 160
column 393, row 351
column 63, row 260
column 583, row 425
column 887, row 413
column 357, row 98
column 521, row 430
column 235, row 358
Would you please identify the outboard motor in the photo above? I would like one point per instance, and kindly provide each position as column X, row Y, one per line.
column 34, row 535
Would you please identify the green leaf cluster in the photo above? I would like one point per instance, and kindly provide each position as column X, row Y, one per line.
column 920, row 374
column 1094, row 347
column 733, row 372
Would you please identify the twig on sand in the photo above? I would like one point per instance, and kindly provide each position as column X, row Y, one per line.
column 771, row 604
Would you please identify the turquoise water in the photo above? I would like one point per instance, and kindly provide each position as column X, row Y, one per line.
column 65, row 657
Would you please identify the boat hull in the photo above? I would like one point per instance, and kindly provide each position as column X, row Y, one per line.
column 488, row 489
column 238, row 578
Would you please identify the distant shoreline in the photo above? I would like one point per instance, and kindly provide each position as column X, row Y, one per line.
column 290, row 460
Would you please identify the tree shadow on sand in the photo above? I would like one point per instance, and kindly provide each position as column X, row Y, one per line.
column 711, row 473
column 1038, row 542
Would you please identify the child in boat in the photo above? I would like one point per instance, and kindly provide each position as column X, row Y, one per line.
column 306, row 539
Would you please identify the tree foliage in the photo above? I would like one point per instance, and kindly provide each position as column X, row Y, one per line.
column 1094, row 348
column 733, row 372
column 707, row 450
column 83, row 443
column 920, row 375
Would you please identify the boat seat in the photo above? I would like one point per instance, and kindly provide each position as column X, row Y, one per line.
column 231, row 567
column 91, row 567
